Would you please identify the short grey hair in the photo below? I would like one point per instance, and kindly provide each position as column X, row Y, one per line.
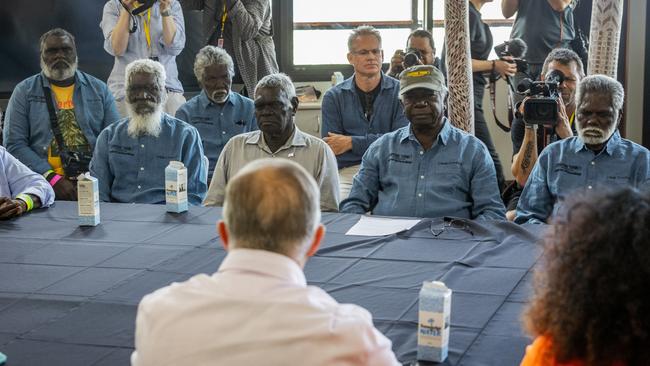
column 601, row 84
column 564, row 56
column 58, row 32
column 363, row 30
column 273, row 205
column 146, row 66
column 211, row 55
column 278, row 80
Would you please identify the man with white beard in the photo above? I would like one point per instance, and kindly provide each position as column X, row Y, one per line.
column 59, row 98
column 597, row 158
column 131, row 155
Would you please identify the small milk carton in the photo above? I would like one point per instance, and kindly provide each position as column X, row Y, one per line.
column 433, row 324
column 176, row 187
column 88, row 200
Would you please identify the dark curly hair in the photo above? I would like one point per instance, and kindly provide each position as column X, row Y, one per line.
column 592, row 290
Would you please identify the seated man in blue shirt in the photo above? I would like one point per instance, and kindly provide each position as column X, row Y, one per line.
column 131, row 155
column 82, row 107
column 362, row 108
column 21, row 189
column 217, row 112
column 598, row 156
column 429, row 168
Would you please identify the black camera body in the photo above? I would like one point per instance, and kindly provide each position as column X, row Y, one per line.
column 75, row 162
column 515, row 48
column 412, row 57
column 542, row 107
column 144, row 6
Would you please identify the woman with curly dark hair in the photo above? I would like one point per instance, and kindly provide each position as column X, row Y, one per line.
column 592, row 293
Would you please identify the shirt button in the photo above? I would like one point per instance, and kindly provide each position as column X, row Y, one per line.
column 44, row 147
column 589, row 187
column 421, row 152
column 142, row 145
column 593, row 163
column 221, row 114
column 419, row 194
column 223, row 132
column 139, row 187
column 141, row 168
column 422, row 177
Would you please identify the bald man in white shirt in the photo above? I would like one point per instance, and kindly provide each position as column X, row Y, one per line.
column 257, row 308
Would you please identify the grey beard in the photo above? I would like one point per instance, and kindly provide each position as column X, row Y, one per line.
column 144, row 124
column 59, row 74
column 589, row 140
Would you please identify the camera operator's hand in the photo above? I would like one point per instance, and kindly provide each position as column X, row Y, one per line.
column 11, row 208
column 130, row 4
column 396, row 66
column 563, row 126
column 505, row 67
column 65, row 190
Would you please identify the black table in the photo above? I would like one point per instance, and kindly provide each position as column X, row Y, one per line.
column 69, row 294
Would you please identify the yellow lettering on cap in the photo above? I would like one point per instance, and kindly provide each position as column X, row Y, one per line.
column 418, row 73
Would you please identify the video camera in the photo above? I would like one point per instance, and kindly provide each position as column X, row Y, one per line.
column 412, row 57
column 515, row 48
column 541, row 108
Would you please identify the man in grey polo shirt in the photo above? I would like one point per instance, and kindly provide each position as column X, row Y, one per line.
column 275, row 108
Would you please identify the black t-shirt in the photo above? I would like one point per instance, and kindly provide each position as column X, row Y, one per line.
column 518, row 130
column 480, row 38
column 368, row 99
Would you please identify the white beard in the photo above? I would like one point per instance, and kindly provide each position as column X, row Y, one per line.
column 144, row 124
column 59, row 74
column 603, row 135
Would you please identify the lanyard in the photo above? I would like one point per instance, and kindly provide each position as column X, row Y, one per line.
column 223, row 19
column 573, row 115
column 145, row 27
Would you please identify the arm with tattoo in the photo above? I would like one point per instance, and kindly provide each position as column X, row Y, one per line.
column 524, row 161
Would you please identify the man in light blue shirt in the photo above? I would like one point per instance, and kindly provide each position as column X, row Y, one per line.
column 131, row 155
column 362, row 108
column 83, row 107
column 597, row 157
column 217, row 112
column 21, row 189
column 429, row 168
column 157, row 33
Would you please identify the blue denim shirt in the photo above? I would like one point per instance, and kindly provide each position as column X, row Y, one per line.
column 16, row 178
column 218, row 123
column 138, row 48
column 568, row 166
column 455, row 177
column 27, row 130
column 343, row 114
column 133, row 169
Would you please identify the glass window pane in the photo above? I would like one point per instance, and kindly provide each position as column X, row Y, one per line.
column 337, row 45
column 488, row 11
column 350, row 10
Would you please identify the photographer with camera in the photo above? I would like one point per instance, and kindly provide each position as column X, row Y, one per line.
column 141, row 29
column 420, row 50
column 549, row 120
column 54, row 117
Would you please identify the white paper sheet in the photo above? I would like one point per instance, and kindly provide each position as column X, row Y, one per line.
column 378, row 226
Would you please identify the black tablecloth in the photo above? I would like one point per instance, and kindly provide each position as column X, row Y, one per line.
column 69, row 294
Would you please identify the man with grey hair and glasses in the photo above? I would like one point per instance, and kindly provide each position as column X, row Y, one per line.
column 217, row 112
column 279, row 137
column 131, row 155
column 257, row 309
column 598, row 156
column 362, row 108
column 59, row 98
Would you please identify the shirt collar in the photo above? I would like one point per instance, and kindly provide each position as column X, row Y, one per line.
column 610, row 147
column 443, row 135
column 349, row 83
column 205, row 102
column 298, row 138
column 265, row 263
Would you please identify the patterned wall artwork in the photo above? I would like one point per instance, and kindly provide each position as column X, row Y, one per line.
column 606, row 21
column 459, row 65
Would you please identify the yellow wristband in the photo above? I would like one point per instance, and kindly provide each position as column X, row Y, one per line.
column 27, row 199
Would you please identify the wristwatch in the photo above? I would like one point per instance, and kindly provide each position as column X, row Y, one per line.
column 166, row 13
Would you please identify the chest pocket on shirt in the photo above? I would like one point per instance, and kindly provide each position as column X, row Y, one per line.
column 448, row 176
column 198, row 120
column 617, row 180
column 400, row 165
column 565, row 178
column 121, row 150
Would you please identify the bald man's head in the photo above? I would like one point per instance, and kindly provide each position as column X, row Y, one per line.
column 273, row 205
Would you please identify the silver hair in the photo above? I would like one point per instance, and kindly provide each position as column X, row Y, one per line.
column 146, row 66
column 273, row 205
column 363, row 30
column 211, row 55
column 279, row 80
column 602, row 84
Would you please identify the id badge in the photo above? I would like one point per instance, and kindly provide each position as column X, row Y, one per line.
column 220, row 42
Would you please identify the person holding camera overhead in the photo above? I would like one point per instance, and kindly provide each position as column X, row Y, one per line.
column 54, row 117
column 420, row 50
column 530, row 138
column 141, row 29
column 597, row 158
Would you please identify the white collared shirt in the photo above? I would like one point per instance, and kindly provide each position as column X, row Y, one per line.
column 256, row 310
